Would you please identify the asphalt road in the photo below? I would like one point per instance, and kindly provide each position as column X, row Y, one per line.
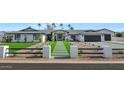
column 59, row 66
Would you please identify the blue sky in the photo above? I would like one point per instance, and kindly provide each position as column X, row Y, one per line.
column 118, row 27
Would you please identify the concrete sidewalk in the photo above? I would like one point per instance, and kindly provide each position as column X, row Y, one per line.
column 68, row 61
column 60, row 49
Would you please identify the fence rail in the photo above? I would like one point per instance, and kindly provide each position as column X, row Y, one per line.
column 24, row 53
column 25, row 48
column 89, row 53
column 118, row 49
column 80, row 51
column 90, row 48
column 17, row 51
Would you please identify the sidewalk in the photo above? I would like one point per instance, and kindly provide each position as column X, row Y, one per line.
column 60, row 49
column 68, row 61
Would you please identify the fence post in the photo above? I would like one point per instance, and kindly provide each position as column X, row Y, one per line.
column 3, row 51
column 107, row 52
column 46, row 51
column 73, row 51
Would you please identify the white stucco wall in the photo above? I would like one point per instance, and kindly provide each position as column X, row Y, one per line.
column 22, row 38
column 102, row 38
column 43, row 38
column 80, row 38
column 107, row 32
column 29, row 37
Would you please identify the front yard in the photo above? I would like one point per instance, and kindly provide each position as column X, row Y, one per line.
column 67, row 46
column 17, row 45
column 53, row 44
column 118, row 43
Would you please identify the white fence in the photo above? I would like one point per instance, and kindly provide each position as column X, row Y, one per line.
column 106, row 51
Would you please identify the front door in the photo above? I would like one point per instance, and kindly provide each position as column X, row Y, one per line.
column 59, row 37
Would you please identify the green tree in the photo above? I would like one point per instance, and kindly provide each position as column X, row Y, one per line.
column 9, row 37
column 119, row 34
column 71, row 28
column 39, row 25
column 61, row 25
column 69, row 25
column 54, row 25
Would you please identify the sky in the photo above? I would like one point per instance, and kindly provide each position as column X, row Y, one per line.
column 117, row 27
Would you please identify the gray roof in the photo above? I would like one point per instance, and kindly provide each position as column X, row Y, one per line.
column 32, row 30
column 29, row 29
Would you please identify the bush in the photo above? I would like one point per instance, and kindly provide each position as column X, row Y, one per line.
column 119, row 35
column 53, row 44
column 67, row 45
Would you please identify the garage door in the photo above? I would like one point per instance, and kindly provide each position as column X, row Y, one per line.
column 89, row 38
column 107, row 37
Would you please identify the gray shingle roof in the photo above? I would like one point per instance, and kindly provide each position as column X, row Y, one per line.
column 32, row 30
column 29, row 29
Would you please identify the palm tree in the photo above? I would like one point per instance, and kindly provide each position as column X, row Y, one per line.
column 61, row 25
column 69, row 25
column 71, row 28
column 39, row 25
column 53, row 25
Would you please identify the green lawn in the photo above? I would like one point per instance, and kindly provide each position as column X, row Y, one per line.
column 53, row 44
column 17, row 45
column 67, row 45
column 115, row 43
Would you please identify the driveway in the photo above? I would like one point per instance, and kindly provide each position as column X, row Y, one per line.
column 102, row 44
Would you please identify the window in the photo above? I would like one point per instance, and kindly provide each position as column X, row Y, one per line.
column 35, row 36
column 17, row 36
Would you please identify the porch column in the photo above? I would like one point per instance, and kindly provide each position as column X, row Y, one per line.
column 83, row 38
column 102, row 37
column 53, row 36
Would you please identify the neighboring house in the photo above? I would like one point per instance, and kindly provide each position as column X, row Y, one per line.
column 29, row 35
column 2, row 36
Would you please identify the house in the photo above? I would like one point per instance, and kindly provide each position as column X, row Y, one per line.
column 2, row 36
column 29, row 35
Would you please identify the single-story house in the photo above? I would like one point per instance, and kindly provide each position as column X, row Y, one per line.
column 2, row 36
column 29, row 35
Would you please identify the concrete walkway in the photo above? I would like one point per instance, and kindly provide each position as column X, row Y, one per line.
column 60, row 50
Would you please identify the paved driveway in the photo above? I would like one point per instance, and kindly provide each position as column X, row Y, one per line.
column 109, row 44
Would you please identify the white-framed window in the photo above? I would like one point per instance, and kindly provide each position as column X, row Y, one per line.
column 17, row 36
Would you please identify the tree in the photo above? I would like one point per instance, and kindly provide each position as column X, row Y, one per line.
column 9, row 37
column 71, row 28
column 54, row 25
column 69, row 25
column 119, row 34
column 39, row 25
column 61, row 25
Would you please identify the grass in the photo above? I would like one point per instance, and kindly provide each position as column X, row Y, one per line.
column 53, row 44
column 17, row 45
column 67, row 46
column 115, row 43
